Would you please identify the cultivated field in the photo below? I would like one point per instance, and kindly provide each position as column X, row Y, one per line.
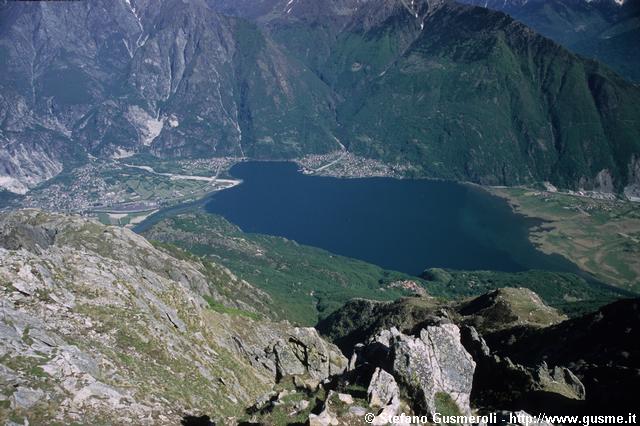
column 600, row 236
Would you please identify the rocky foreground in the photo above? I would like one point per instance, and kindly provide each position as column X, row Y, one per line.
column 99, row 326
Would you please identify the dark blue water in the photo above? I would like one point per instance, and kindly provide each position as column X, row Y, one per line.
column 7, row 198
column 405, row 225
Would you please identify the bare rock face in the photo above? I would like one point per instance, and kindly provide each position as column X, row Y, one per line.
column 286, row 351
column 559, row 380
column 304, row 352
column 433, row 364
column 15, row 235
column 99, row 326
column 24, row 164
column 632, row 191
column 384, row 394
column 383, row 389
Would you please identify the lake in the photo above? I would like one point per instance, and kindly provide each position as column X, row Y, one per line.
column 404, row 225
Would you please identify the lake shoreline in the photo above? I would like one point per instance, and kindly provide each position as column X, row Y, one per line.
column 559, row 263
column 595, row 234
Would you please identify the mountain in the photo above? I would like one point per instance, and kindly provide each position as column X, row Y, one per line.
column 320, row 11
column 527, row 357
column 99, row 326
column 602, row 348
column 477, row 95
column 451, row 91
column 607, row 30
column 175, row 78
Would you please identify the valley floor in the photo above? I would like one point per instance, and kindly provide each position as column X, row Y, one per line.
column 601, row 236
column 125, row 193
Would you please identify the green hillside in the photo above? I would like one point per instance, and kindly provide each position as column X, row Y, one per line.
column 448, row 90
column 305, row 283
column 603, row 30
column 479, row 97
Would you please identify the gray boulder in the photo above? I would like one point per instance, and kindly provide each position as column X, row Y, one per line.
column 383, row 389
column 286, row 351
column 25, row 398
column 306, row 353
column 434, row 366
column 326, row 417
column 357, row 411
column 323, row 419
column 559, row 380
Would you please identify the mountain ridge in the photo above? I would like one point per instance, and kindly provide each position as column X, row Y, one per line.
column 184, row 80
column 605, row 30
column 100, row 326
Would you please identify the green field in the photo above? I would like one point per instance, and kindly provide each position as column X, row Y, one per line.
column 600, row 236
column 139, row 185
column 117, row 194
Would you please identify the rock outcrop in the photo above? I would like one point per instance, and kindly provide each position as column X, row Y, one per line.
column 434, row 363
column 99, row 326
column 524, row 356
column 509, row 307
column 290, row 352
column 304, row 352
column 498, row 309
column 602, row 349
column 499, row 382
column 326, row 417
column 431, row 367
column 383, row 389
column 383, row 394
